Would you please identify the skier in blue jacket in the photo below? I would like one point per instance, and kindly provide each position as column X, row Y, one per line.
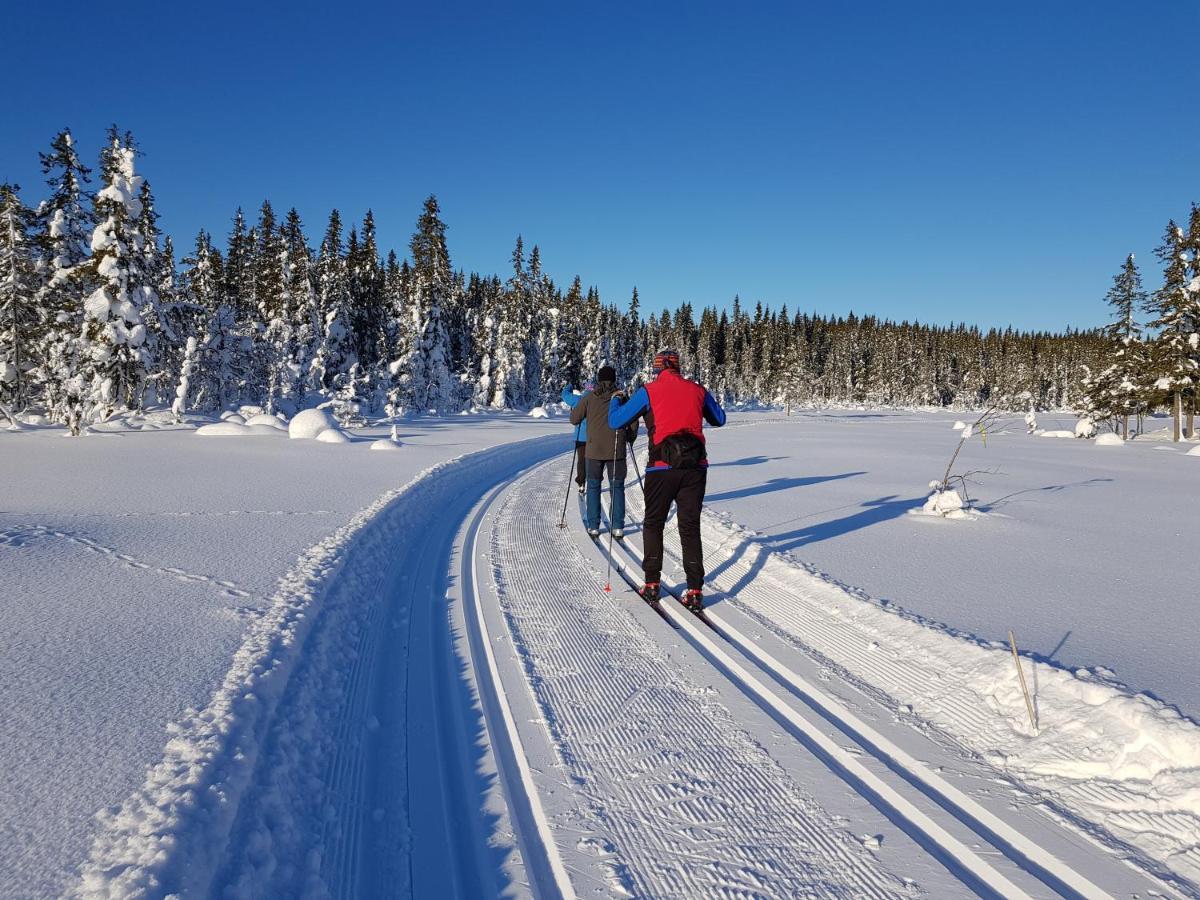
column 571, row 398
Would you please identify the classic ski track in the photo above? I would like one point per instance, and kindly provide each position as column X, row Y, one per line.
column 782, row 610
column 677, row 798
column 265, row 792
column 833, row 635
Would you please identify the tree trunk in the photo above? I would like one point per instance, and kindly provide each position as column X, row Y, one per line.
column 1125, row 428
column 1191, row 426
column 1178, row 410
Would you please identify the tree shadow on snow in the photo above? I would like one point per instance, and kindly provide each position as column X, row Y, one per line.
column 869, row 513
column 778, row 484
column 1048, row 489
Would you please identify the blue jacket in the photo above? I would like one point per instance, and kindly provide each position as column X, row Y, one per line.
column 571, row 398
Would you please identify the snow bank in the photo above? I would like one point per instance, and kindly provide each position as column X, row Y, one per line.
column 1109, row 440
column 385, row 444
column 230, row 429
column 309, row 423
column 959, row 425
column 1195, row 451
column 333, row 436
column 1057, row 434
column 539, row 412
column 268, row 420
column 233, row 417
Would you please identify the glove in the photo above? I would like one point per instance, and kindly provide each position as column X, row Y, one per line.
column 620, row 395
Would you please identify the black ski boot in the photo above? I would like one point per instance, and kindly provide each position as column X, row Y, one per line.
column 649, row 593
column 694, row 600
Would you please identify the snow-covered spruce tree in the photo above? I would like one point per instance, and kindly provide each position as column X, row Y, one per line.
column 1117, row 391
column 486, row 303
column 115, row 334
column 335, row 347
column 164, row 346
column 64, row 233
column 303, row 325
column 274, row 350
column 217, row 377
column 19, row 319
column 1173, row 354
column 571, row 336
column 509, row 386
column 424, row 376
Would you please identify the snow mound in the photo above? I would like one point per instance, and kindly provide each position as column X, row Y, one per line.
column 233, row 417
column 269, row 421
column 385, row 444
column 539, row 412
column 947, row 504
column 1085, row 428
column 310, row 423
column 228, row 429
column 959, row 425
column 333, row 436
column 1195, row 451
column 1057, row 434
column 1110, row 440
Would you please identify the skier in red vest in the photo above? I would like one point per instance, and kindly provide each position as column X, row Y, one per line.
column 675, row 411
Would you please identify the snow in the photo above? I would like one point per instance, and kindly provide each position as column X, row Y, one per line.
column 124, row 600
column 333, row 436
column 539, row 412
column 1057, row 433
column 230, row 428
column 1195, row 451
column 268, row 420
column 237, row 668
column 1109, row 439
column 309, row 423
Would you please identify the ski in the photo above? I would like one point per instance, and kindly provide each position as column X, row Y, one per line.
column 656, row 605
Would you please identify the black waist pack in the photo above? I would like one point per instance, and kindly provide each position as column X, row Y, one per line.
column 683, row 451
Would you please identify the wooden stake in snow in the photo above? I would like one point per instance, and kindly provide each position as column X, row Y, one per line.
column 1012, row 642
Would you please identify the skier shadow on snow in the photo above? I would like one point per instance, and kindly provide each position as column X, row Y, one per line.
column 778, row 484
column 871, row 512
column 748, row 461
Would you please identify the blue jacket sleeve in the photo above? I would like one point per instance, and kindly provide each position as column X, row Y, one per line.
column 569, row 397
column 713, row 414
column 621, row 414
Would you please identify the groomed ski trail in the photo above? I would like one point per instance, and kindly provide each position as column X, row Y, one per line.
column 653, row 787
column 883, row 664
column 341, row 755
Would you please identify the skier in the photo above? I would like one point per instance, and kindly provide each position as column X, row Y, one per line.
column 605, row 452
column 571, row 398
column 675, row 410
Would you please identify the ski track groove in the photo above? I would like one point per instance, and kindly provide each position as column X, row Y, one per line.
column 700, row 809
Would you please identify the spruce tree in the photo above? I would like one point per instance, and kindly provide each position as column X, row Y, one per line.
column 115, row 334
column 18, row 315
column 1173, row 357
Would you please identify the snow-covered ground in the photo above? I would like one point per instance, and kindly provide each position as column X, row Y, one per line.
column 250, row 666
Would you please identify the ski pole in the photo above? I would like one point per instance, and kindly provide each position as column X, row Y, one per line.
column 612, row 499
column 636, row 468
column 562, row 522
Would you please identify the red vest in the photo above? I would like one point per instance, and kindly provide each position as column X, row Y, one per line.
column 676, row 405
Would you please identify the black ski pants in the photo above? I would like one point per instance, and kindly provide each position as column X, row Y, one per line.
column 580, row 462
column 684, row 488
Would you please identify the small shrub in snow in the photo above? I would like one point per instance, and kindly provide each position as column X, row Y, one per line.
column 539, row 412
column 1085, row 428
column 309, row 424
column 1110, row 440
column 333, row 436
column 945, row 503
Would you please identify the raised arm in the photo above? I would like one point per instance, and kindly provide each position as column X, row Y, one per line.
column 713, row 414
column 621, row 414
column 578, row 411
column 569, row 397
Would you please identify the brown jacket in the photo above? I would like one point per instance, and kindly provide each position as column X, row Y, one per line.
column 601, row 438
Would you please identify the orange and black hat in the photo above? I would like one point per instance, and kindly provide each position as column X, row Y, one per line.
column 666, row 359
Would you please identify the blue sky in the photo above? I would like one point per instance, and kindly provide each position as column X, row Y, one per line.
column 943, row 161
